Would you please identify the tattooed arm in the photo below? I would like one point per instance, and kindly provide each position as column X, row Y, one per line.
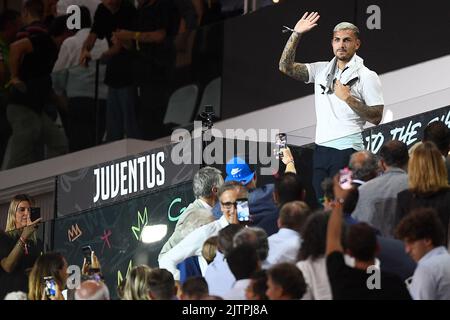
column 287, row 65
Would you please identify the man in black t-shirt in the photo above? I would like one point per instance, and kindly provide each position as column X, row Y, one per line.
column 30, row 91
column 111, row 16
column 363, row 281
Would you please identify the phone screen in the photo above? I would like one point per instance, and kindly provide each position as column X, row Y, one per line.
column 87, row 250
column 35, row 213
column 243, row 212
column 50, row 286
column 345, row 178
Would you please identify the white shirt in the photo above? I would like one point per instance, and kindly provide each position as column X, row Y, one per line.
column 190, row 246
column 283, row 247
column 205, row 204
column 431, row 280
column 335, row 118
column 237, row 292
column 219, row 277
column 62, row 5
column 316, row 277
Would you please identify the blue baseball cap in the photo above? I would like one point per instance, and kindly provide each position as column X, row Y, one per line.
column 238, row 170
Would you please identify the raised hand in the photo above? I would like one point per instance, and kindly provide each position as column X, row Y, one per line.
column 307, row 22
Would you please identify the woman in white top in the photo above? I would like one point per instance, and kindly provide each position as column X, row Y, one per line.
column 312, row 258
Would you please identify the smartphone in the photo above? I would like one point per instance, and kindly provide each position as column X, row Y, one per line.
column 50, row 286
column 35, row 213
column 243, row 212
column 345, row 178
column 87, row 250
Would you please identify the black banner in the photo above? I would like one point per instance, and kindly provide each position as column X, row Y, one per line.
column 120, row 180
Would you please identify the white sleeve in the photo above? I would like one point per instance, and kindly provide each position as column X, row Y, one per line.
column 314, row 69
column 188, row 247
column 371, row 90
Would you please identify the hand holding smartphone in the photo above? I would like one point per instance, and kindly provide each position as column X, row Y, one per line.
column 281, row 143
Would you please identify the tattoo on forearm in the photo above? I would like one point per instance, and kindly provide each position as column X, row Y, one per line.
column 287, row 65
column 371, row 114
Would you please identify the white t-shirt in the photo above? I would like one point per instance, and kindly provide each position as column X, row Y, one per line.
column 338, row 126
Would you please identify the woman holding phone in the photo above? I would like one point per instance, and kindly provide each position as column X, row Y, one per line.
column 19, row 247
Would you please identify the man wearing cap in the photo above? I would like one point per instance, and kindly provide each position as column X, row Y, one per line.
column 260, row 200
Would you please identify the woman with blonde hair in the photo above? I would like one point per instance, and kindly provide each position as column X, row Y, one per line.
column 52, row 266
column 137, row 284
column 19, row 247
column 427, row 184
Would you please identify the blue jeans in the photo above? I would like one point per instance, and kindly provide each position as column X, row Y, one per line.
column 326, row 163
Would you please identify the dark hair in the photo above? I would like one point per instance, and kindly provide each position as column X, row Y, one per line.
column 35, row 8
column 259, row 284
column 422, row 223
column 293, row 215
column 161, row 284
column 8, row 16
column 327, row 188
column 289, row 278
column 438, row 133
column 85, row 17
column 362, row 241
column 289, row 188
column 195, row 287
column 394, row 153
column 243, row 261
column 314, row 236
column 225, row 237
